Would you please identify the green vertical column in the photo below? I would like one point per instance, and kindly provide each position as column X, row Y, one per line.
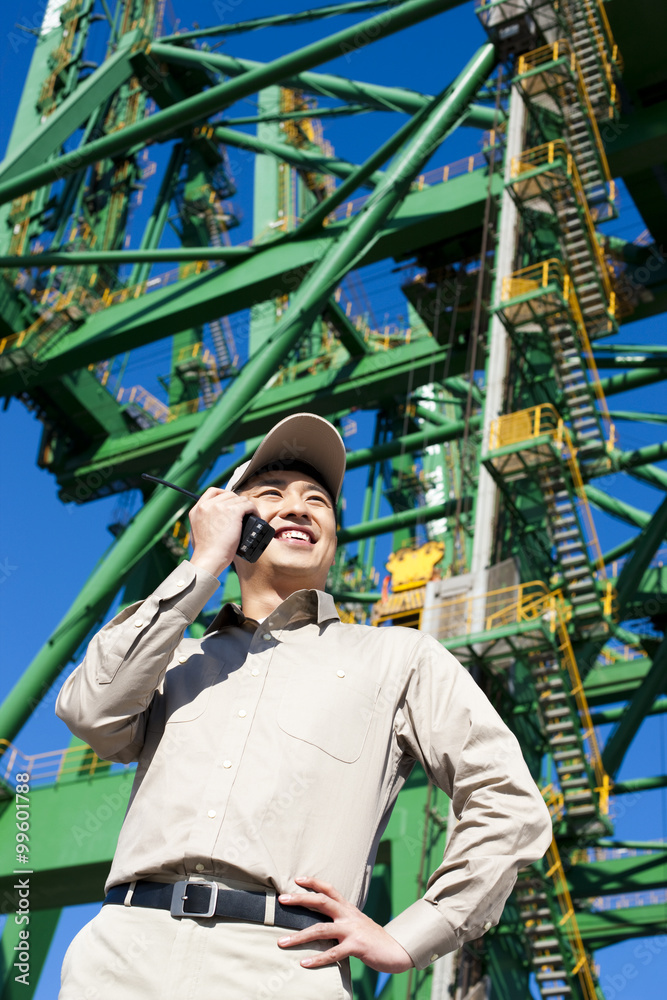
column 266, row 206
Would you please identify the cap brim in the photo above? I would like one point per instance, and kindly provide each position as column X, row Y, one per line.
column 303, row 437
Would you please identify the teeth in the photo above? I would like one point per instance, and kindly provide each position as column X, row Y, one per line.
column 296, row 534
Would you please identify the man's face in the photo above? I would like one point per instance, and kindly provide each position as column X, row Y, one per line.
column 302, row 514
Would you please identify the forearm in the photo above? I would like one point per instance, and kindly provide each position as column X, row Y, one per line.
column 498, row 820
column 105, row 699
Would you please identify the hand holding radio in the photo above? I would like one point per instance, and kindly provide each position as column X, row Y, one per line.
column 255, row 532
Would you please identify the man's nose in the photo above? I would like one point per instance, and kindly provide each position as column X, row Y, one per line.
column 294, row 505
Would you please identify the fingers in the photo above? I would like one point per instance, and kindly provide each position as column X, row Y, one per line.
column 216, row 527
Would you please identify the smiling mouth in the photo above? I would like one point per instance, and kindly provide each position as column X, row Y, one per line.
column 295, row 535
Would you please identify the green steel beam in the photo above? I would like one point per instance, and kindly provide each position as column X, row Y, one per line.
column 215, row 431
column 282, row 19
column 619, row 550
column 278, row 269
column 640, row 456
column 350, row 337
column 73, row 111
column 659, row 707
column 191, row 110
column 305, row 159
column 634, row 362
column 646, row 546
column 375, row 96
column 68, row 258
column 287, row 116
column 450, row 431
column 641, row 784
column 631, row 845
column 650, row 474
column 369, row 382
column 317, row 217
column 607, row 927
column 617, row 508
column 637, row 417
column 622, row 736
column 618, row 875
column 403, row 519
column 632, row 380
column 617, row 681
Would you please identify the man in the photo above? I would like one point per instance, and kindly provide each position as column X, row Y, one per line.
column 270, row 753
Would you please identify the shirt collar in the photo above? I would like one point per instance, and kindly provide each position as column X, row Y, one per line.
column 312, row 605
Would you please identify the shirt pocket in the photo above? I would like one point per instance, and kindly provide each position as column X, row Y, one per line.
column 330, row 712
column 187, row 689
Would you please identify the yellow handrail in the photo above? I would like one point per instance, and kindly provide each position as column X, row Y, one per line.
column 541, row 275
column 536, row 421
column 553, row 152
column 562, row 49
column 589, row 737
column 568, row 923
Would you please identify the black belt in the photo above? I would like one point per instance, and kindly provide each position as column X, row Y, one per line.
column 209, row 899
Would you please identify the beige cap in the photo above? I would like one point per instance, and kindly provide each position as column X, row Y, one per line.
column 303, row 437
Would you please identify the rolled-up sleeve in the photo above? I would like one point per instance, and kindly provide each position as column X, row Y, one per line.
column 104, row 700
column 501, row 822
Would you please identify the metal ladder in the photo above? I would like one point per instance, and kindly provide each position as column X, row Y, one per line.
column 570, row 544
column 587, row 428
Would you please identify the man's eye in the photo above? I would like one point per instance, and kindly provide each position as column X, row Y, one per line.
column 268, row 493
column 316, row 496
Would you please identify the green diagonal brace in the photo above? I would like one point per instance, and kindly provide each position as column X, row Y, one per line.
column 646, row 545
column 73, row 111
column 198, row 108
column 624, row 733
column 217, row 428
column 374, row 95
column 305, row 159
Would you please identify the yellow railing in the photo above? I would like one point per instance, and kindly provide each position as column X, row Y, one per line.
column 616, row 56
column 568, row 924
column 562, row 49
column 543, row 275
column 53, row 765
column 551, row 152
column 524, row 425
column 534, row 422
column 588, row 735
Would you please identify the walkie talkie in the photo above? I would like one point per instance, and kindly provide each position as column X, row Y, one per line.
column 255, row 533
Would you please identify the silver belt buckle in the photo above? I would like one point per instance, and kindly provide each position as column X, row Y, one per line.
column 179, row 895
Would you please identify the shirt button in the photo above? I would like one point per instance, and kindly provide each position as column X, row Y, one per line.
column 199, row 868
column 211, row 814
column 182, row 659
column 340, row 673
column 254, row 671
column 138, row 624
column 242, row 713
column 226, row 763
column 434, row 957
column 180, row 583
column 266, row 636
column 488, row 925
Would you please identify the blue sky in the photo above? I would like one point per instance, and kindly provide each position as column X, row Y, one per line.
column 48, row 549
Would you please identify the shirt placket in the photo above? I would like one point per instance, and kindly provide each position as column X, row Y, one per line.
column 235, row 726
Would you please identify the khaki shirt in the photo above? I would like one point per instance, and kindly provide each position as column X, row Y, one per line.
column 269, row 751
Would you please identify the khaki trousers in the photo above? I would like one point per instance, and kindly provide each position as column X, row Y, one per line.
column 137, row 953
